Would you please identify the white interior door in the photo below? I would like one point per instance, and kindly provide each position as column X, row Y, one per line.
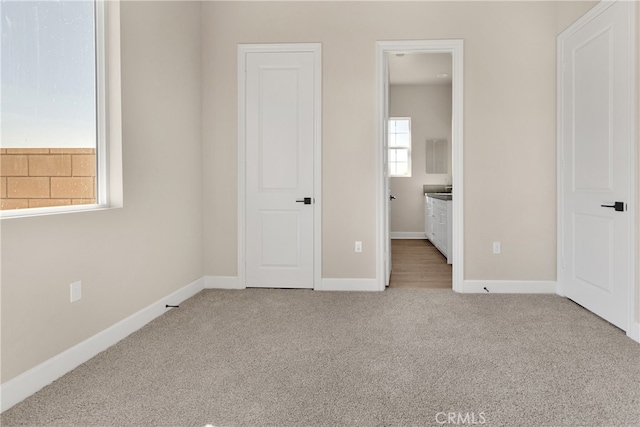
column 280, row 102
column 387, row 185
column 596, row 140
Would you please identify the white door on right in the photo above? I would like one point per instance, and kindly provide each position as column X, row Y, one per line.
column 596, row 139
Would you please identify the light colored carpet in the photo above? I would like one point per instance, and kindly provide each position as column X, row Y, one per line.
column 263, row 357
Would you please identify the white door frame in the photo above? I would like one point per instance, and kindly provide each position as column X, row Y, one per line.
column 633, row 328
column 243, row 50
column 456, row 48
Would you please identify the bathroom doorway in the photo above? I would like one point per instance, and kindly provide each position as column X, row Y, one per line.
column 419, row 164
column 420, row 88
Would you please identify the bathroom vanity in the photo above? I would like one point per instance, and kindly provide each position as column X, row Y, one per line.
column 437, row 221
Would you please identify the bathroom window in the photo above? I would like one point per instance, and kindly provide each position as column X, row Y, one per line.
column 54, row 106
column 400, row 146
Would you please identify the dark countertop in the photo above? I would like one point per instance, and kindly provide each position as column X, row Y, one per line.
column 440, row 196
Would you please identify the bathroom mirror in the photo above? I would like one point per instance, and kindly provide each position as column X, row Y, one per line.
column 437, row 156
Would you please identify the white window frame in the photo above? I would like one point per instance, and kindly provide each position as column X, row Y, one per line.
column 408, row 149
column 108, row 117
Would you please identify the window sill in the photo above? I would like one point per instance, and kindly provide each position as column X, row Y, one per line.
column 53, row 210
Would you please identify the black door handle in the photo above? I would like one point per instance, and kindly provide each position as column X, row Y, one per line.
column 306, row 201
column 392, row 197
column 618, row 206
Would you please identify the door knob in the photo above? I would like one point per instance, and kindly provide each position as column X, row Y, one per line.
column 391, row 197
column 306, row 200
column 618, row 206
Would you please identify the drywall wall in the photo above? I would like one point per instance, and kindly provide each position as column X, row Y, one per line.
column 569, row 11
column 130, row 257
column 429, row 107
column 509, row 109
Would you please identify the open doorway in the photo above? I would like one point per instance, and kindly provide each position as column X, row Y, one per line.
column 420, row 179
column 420, row 100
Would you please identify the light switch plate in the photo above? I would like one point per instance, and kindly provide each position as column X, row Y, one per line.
column 76, row 291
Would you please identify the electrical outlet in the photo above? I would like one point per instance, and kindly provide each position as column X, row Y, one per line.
column 76, row 291
column 358, row 246
column 496, row 247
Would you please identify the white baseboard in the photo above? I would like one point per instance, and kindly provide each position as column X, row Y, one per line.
column 24, row 385
column 408, row 235
column 634, row 332
column 349, row 285
column 509, row 286
column 222, row 282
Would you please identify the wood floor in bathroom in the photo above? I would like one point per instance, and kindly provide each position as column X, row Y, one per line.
column 417, row 264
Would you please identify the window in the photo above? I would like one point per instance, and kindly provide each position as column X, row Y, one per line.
column 400, row 146
column 53, row 75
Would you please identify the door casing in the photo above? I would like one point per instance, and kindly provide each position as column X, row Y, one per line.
column 243, row 50
column 632, row 330
column 456, row 49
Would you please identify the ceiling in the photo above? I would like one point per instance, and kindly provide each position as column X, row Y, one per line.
column 419, row 68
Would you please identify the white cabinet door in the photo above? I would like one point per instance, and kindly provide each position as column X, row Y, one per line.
column 441, row 225
column 428, row 217
column 442, row 230
column 449, row 231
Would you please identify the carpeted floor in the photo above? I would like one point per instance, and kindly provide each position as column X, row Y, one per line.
column 263, row 357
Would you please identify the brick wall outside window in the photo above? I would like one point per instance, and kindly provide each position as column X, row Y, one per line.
column 41, row 177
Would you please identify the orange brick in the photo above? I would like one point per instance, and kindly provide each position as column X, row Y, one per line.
column 28, row 188
column 27, row 151
column 3, row 188
column 73, row 151
column 44, row 203
column 73, row 188
column 50, row 165
column 14, row 165
column 14, row 204
column 83, row 201
column 83, row 165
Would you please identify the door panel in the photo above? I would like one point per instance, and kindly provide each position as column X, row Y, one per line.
column 278, row 128
column 593, row 238
column 596, row 138
column 592, row 115
column 280, row 239
column 280, row 114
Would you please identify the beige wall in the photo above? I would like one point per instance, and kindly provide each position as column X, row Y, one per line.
column 429, row 107
column 130, row 257
column 509, row 109
column 569, row 11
